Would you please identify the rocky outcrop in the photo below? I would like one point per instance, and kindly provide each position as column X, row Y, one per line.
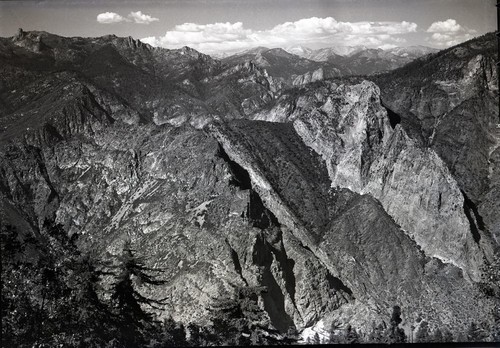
column 173, row 192
column 289, row 68
column 316, row 75
column 255, row 90
column 453, row 108
column 348, row 126
column 350, row 234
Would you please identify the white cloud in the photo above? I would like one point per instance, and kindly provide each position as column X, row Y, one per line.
column 216, row 37
column 387, row 46
column 136, row 17
column 150, row 40
column 447, row 26
column 448, row 33
column 110, row 17
column 190, row 33
column 142, row 18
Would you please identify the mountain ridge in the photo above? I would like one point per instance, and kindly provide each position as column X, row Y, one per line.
column 228, row 177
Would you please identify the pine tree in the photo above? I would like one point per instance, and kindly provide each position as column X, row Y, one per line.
column 135, row 323
column 173, row 334
column 394, row 333
column 52, row 294
column 292, row 335
column 195, row 335
column 238, row 319
column 396, row 316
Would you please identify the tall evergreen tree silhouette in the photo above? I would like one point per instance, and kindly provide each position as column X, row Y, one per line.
column 238, row 320
column 135, row 322
column 51, row 299
column 396, row 334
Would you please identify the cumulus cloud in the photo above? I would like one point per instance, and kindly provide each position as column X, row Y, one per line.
column 448, row 33
column 142, row 18
column 136, row 17
column 216, row 37
column 447, row 26
column 110, row 17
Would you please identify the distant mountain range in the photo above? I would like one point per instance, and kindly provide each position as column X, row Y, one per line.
column 323, row 54
column 292, row 62
column 287, row 66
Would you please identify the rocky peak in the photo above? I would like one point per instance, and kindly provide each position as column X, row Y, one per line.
column 31, row 40
column 453, row 108
column 316, row 75
column 351, row 129
column 186, row 50
column 20, row 34
column 360, row 127
column 288, row 67
column 258, row 148
column 129, row 42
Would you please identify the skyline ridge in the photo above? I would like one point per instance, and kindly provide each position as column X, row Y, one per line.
column 230, row 26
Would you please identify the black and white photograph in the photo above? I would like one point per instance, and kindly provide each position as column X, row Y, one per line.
column 190, row 173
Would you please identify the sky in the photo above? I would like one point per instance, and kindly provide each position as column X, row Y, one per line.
column 215, row 26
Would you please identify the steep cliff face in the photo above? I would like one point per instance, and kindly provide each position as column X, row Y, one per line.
column 256, row 210
column 348, row 126
column 175, row 193
column 351, row 234
column 449, row 101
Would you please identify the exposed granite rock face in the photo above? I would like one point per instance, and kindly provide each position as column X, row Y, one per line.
column 348, row 126
column 449, row 101
column 174, row 193
column 416, row 188
column 252, row 87
column 350, row 234
column 348, row 130
column 316, row 75
column 89, row 165
column 490, row 204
